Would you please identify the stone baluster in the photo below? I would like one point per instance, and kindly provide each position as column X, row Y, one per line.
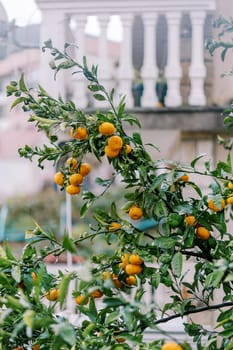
column 79, row 82
column 104, row 64
column 126, row 66
column 149, row 69
column 173, row 69
column 51, row 20
column 197, row 71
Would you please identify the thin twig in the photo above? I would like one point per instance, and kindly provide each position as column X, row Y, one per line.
column 194, row 311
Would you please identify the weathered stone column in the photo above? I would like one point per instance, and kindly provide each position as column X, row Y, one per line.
column 197, row 71
column 52, row 27
column 173, row 69
column 126, row 66
column 149, row 69
column 79, row 82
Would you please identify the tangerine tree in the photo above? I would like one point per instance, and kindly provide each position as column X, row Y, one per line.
column 186, row 255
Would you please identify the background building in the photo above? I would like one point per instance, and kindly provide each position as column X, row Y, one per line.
column 156, row 35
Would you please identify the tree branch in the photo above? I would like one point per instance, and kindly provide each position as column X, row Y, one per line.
column 194, row 311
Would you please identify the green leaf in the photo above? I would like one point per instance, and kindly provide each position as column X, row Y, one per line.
column 13, row 303
column 165, row 242
column 66, row 332
column 9, row 254
column 213, row 279
column 223, row 54
column 155, row 279
column 16, row 273
column 22, row 85
column 177, row 263
column 137, row 138
column 195, row 160
column 113, row 316
column 93, row 87
column 68, row 244
column 28, row 318
column 114, row 302
column 99, row 97
column 63, row 288
column 174, row 219
column 92, row 309
column 17, row 101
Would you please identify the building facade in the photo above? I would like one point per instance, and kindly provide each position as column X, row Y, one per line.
column 157, row 35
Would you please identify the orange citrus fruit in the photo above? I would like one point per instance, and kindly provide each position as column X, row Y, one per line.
column 135, row 213
column 81, row 300
column 96, row 294
column 171, row 346
column 214, row 207
column 114, row 226
column 71, row 162
column 120, row 339
column 202, row 233
column 107, row 128
column 36, row 347
column 132, row 269
column 72, row 190
column 116, row 281
column 184, row 178
column 230, row 185
column 125, row 258
column 80, row 133
column 110, row 153
column 59, row 178
column 131, row 280
column 52, row 294
column 115, row 143
column 135, row 259
column 230, row 200
column 190, row 220
column 34, row 276
column 76, row 179
column 84, row 169
column 128, row 149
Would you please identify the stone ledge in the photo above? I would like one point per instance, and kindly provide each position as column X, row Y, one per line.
column 188, row 119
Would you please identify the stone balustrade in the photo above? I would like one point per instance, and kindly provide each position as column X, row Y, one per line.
column 56, row 15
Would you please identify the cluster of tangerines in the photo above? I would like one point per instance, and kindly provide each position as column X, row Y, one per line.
column 73, row 176
column 201, row 231
column 130, row 265
column 114, row 143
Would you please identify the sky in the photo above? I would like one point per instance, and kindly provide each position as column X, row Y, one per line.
column 26, row 12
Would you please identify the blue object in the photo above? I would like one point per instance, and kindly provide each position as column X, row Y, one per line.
column 145, row 224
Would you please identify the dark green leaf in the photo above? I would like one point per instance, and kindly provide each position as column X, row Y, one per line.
column 99, row 97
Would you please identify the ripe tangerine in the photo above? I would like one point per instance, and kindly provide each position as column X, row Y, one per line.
column 132, row 269
column 76, row 179
column 214, row 207
column 72, row 190
column 135, row 213
column 84, row 169
column 80, row 133
column 202, row 233
column 115, row 142
column 107, row 128
column 59, row 178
